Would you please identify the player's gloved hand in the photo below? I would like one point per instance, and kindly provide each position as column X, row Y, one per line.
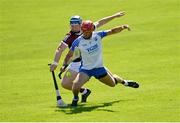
column 53, row 66
column 63, row 68
column 119, row 14
column 126, row 27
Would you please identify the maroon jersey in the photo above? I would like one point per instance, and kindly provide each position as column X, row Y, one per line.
column 70, row 37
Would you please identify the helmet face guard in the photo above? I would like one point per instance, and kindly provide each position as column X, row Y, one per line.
column 75, row 20
column 87, row 26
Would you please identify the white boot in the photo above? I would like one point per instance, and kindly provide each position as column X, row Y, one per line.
column 61, row 103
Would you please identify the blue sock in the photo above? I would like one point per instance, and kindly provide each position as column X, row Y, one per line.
column 76, row 98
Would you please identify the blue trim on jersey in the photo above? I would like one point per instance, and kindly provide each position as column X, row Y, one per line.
column 102, row 34
column 75, row 44
column 96, row 72
column 81, row 65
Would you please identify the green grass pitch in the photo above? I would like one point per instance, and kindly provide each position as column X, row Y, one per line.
column 30, row 31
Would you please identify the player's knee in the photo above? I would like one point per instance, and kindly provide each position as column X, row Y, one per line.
column 112, row 84
column 66, row 84
column 63, row 84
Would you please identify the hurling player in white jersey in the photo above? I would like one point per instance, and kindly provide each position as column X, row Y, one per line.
column 89, row 45
column 73, row 68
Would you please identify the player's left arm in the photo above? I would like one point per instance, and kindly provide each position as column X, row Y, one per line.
column 67, row 60
column 105, row 20
column 69, row 55
column 117, row 29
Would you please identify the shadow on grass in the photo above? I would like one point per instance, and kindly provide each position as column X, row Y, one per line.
column 87, row 108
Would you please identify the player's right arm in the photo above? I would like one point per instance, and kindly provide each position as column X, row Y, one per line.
column 62, row 46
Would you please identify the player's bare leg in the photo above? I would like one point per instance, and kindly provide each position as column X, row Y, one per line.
column 81, row 79
column 110, row 79
column 67, row 83
column 128, row 83
column 68, row 79
column 118, row 78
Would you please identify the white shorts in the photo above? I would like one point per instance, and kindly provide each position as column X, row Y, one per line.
column 75, row 66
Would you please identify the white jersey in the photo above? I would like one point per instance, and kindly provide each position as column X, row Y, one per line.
column 90, row 50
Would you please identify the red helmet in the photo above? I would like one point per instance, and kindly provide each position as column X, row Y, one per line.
column 87, row 25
